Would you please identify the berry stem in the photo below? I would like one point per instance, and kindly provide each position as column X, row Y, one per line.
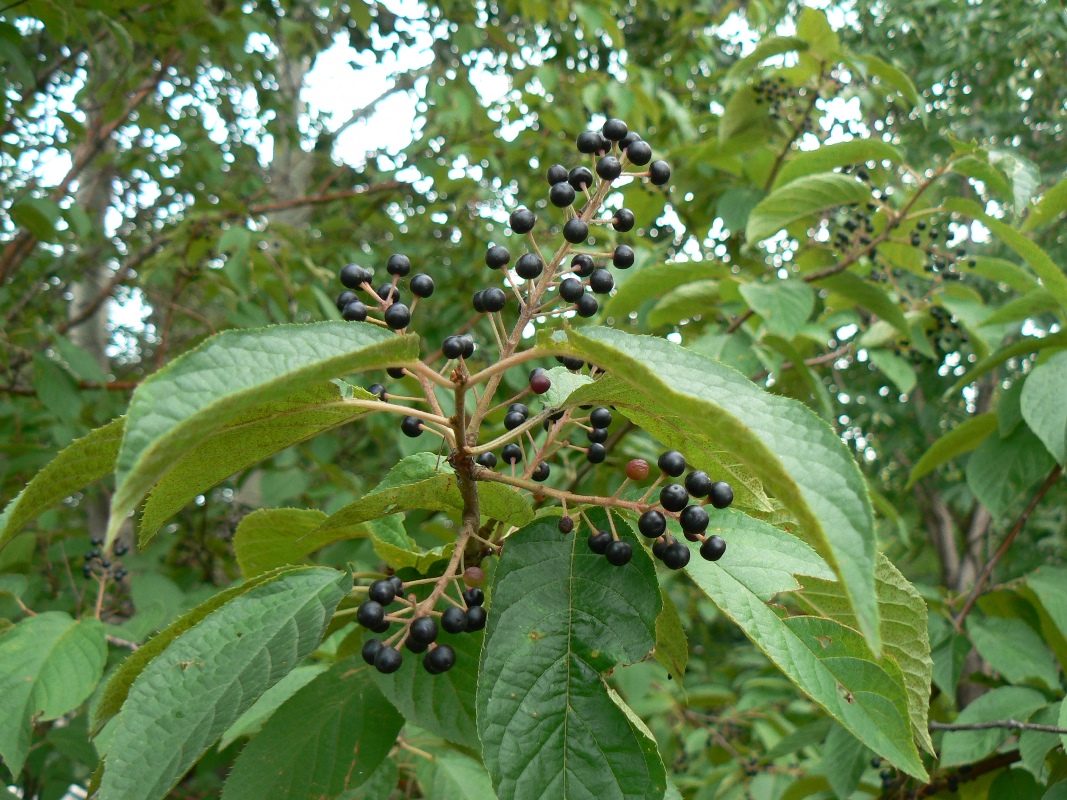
column 480, row 473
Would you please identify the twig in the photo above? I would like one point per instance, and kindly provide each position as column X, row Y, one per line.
column 1010, row 724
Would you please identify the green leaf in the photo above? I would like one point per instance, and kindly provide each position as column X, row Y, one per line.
column 844, row 760
column 51, row 664
column 1013, row 649
column 814, row 28
column 1052, row 203
column 1026, row 306
column 346, row 730
column 1023, row 347
column 80, row 361
column 452, row 776
column 1015, row 784
column 253, row 436
column 672, row 647
column 1035, row 745
column 827, row 661
column 785, row 445
column 768, row 48
column 56, row 389
column 865, row 294
column 564, row 382
column 652, row 281
column 250, row 722
column 897, row 369
column 839, row 154
column 804, row 197
column 561, row 617
column 177, row 408
column 273, row 537
column 743, row 118
column 904, row 631
column 38, row 215
column 205, row 679
column 949, row 657
column 784, row 305
column 1003, row 271
column 692, row 299
column 1043, row 405
column 1007, row 702
column 1001, row 470
column 78, row 464
column 964, row 438
column 898, row 80
column 393, row 545
column 1022, row 174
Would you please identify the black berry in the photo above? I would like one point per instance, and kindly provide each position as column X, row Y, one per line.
column 659, row 547
column 398, row 264
column 487, row 460
column 452, row 347
column 580, row 178
column 601, row 281
column 672, row 462
column 561, row 194
column 694, row 519
column 565, row 524
column 478, row 301
column 421, row 285
column 395, row 372
column 473, row 596
column 476, row 617
column 697, row 483
column 411, row 426
column 598, row 435
column 571, row 289
column 629, row 139
column 382, row 592
column 388, row 660
column 529, row 266
column 623, row 257
column 599, row 541
column 497, row 257
column 676, row 555
column 512, row 453
column 353, row 276
column 556, row 173
column 523, row 220
column 573, row 364
column 513, row 419
column 590, row 142
column 441, row 659
column 398, row 584
column 370, row 650
column 583, row 265
column 587, row 305
column 387, row 292
column 615, row 130
column 541, row 473
column 600, row 417
column 713, row 548
column 673, row 497
column 652, row 524
column 377, row 390
column 424, row 630
column 521, row 408
column 721, row 494
column 608, row 168
column 370, row 614
column 576, row 230
column 454, row 620
column 416, row 647
column 397, row 316
column 494, row 299
column 640, row 153
column 658, row 172
column 354, row 312
column 344, row 298
column 596, row 453
column 468, row 345
column 619, row 553
column 623, row 220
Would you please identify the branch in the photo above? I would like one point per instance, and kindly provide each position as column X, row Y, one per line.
column 952, row 779
column 329, row 197
column 111, row 386
column 1010, row 724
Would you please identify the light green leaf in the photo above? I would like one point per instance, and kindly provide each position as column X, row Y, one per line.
column 1035, row 745
column 1052, row 203
column 561, row 617
column 814, row 28
column 949, row 657
column 452, row 776
column 1001, row 470
column 1023, row 347
column 346, row 730
column 1032, row 304
column 1049, row 585
column 844, row 760
column 866, row 294
column 51, row 664
column 672, row 647
column 898, row 80
column 839, row 154
column 393, row 546
column 79, row 360
column 181, row 405
column 768, row 48
column 563, row 383
column 743, row 118
column 1013, row 649
column 804, row 197
column 206, row 678
column 1006, row 702
column 964, row 438
column 897, row 369
column 691, row 300
column 253, row 436
column 784, row 444
column 784, row 305
column 78, row 464
column 827, row 661
column 272, row 537
column 1006, row 272
column 651, row 281
column 1063, row 724
column 1022, row 174
column 250, row 722
column 1043, row 404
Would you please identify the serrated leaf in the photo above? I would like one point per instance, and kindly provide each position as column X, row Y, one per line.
column 839, row 154
column 964, row 438
column 181, row 405
column 271, row 537
column 672, row 647
column 904, row 632
column 1052, row 203
column 562, row 616
column 785, row 445
column 1006, row 702
column 1013, row 649
column 206, row 678
column 1043, row 405
column 347, row 729
column 250, row 722
column 655, row 280
column 51, row 664
column 1000, row 470
column 78, row 464
column 253, row 436
column 804, row 197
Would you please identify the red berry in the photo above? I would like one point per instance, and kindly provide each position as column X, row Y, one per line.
column 540, row 383
column 637, row 470
column 473, row 576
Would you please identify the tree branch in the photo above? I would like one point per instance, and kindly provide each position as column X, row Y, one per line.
column 1010, row 724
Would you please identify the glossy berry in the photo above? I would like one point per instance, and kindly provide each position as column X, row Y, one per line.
column 587, row 305
column 396, row 372
column 599, row 541
column 629, row 139
column 370, row 650
column 468, row 345
column 388, row 660
column 411, row 426
column 673, row 497
column 694, row 519
column 640, row 153
column 529, row 266
column 397, row 316
column 473, row 596
column 619, row 553
column 415, row 647
column 478, row 301
column 652, row 524
column 441, row 659
column 382, row 627
column 659, row 547
column 637, row 470
column 513, row 419
column 398, row 585
column 583, row 265
column 615, row 130
column 344, row 298
column 354, row 312
column 565, row 524
column 398, row 264
column 596, row 453
column 487, row 460
column 580, row 178
column 697, row 483
column 557, row 173
column 672, row 462
column 424, row 630
column 576, row 230
column 454, row 620
column 452, row 347
column 721, row 494
column 598, row 435
column 523, row 220
column 421, row 285
column 623, row 258
column 623, row 220
column 609, row 168
column 571, row 289
column 521, row 408
column 382, row 592
column 676, row 555
column 561, row 194
column 540, row 383
column 497, row 257
column 370, row 614
column 494, row 299
column 474, row 576
column 713, row 548
column 600, row 417
column 387, row 292
column 542, row 472
column 590, row 142
column 573, row 364
column 378, row 391
column 353, row 276
column 512, row 453
column 476, row 617
column 658, row 172
column 601, row 281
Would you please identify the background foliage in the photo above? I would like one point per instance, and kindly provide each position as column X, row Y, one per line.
column 164, row 179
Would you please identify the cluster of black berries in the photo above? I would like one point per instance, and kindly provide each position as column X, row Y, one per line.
column 940, row 260
column 422, row 631
column 779, row 95
column 387, row 298
column 98, row 565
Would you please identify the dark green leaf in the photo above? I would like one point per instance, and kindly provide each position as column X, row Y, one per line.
column 784, row 305
column 1043, row 404
column 1007, row 702
column 1001, row 470
column 964, row 438
column 1013, row 649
